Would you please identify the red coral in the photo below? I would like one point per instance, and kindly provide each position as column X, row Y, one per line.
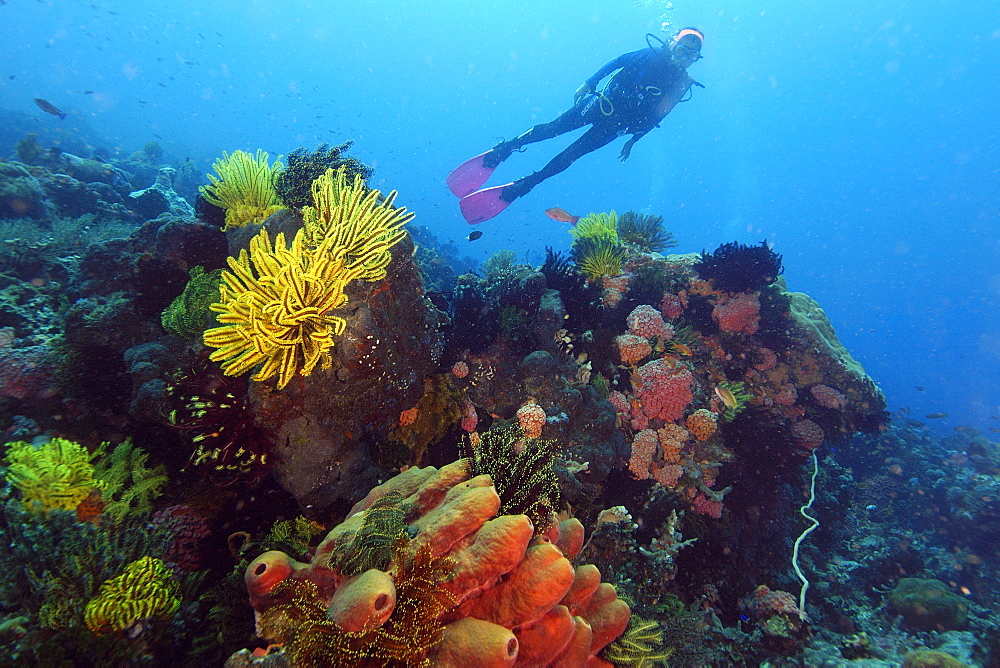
column 24, row 372
column 739, row 313
column 672, row 306
column 703, row 505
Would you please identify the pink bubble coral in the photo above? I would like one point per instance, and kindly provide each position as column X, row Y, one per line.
column 738, row 313
column 827, row 397
column 632, row 349
column 646, row 321
column 807, row 434
column 531, row 417
column 460, row 370
column 665, row 389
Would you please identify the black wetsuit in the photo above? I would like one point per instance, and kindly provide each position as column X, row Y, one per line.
column 644, row 89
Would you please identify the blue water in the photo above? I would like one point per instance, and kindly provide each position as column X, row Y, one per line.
column 859, row 137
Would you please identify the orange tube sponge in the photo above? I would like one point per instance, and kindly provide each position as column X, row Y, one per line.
column 461, row 585
column 363, row 602
column 473, row 642
column 544, row 639
column 538, row 583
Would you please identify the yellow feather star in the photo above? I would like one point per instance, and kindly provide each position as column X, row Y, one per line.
column 351, row 215
column 274, row 303
column 244, row 187
column 282, row 311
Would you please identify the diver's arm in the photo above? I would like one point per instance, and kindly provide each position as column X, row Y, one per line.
column 612, row 65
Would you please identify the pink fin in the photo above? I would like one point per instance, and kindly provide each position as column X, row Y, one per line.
column 469, row 176
column 483, row 204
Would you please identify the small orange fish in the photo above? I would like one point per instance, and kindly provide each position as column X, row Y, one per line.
column 49, row 108
column 726, row 396
column 561, row 215
column 682, row 349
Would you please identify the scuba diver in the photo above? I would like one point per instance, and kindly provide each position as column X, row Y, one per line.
column 645, row 87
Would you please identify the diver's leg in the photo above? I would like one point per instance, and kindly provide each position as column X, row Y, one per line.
column 591, row 140
column 569, row 120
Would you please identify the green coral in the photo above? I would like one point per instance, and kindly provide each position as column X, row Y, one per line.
column 294, row 183
column 189, row 315
column 128, row 486
column 56, row 475
column 928, row 605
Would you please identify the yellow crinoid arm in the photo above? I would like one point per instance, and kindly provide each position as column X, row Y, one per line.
column 351, row 217
column 274, row 308
column 244, row 187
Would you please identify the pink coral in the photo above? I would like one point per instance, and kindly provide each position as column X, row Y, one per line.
column 517, row 596
column 703, row 505
column 25, row 373
column 460, row 370
column 827, row 397
column 643, row 452
column 531, row 417
column 765, row 359
column 646, row 321
column 807, row 434
column 738, row 313
column 615, row 288
column 668, row 475
column 620, row 402
column 470, row 419
column 672, row 306
column 631, row 348
column 665, row 389
column 188, row 529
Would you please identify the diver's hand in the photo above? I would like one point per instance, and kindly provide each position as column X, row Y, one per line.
column 582, row 92
column 626, row 150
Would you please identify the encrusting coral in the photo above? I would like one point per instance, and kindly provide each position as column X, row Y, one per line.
column 498, row 591
column 244, row 187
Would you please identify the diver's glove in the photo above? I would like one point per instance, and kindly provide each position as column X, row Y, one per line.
column 582, row 92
